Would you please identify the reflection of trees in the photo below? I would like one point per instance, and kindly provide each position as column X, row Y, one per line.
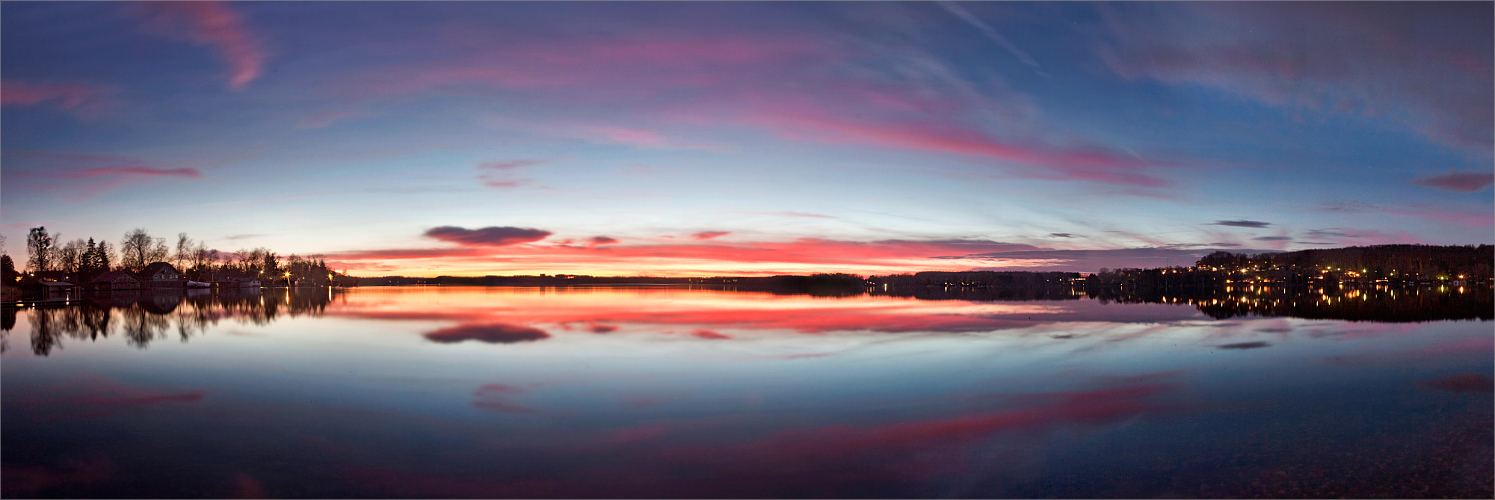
column 145, row 316
column 142, row 325
column 43, row 335
column 983, row 294
column 7, row 323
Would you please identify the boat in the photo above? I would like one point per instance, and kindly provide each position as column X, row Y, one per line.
column 198, row 284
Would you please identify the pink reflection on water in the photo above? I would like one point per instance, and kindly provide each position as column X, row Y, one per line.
column 498, row 314
column 732, row 454
column 86, row 396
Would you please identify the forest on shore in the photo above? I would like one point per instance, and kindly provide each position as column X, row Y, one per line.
column 81, row 260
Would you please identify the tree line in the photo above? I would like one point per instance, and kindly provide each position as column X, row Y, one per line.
column 82, row 260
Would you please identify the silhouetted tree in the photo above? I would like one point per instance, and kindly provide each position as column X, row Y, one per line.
column 41, row 246
column 183, row 253
column 8, row 273
column 70, row 256
column 138, row 249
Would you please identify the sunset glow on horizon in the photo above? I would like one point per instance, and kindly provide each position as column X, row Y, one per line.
column 723, row 139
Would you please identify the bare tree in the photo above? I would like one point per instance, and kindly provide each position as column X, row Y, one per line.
column 70, row 256
column 183, row 251
column 158, row 251
column 42, row 247
column 135, row 249
column 199, row 256
column 138, row 249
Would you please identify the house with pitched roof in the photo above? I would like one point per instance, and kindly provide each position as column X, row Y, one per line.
column 161, row 275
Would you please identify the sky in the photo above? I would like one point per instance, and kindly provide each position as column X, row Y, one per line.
column 740, row 138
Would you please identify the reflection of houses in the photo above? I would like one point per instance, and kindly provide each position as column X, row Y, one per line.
column 161, row 275
column 161, row 303
column 115, row 280
column 237, row 283
column 116, row 299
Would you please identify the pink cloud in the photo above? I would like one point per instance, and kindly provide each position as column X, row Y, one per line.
column 763, row 257
column 511, row 164
column 1463, row 182
column 501, row 173
column 512, row 183
column 718, row 80
column 86, row 175
column 708, row 334
column 146, row 171
column 66, row 96
column 487, row 236
column 622, row 66
column 706, row 235
column 804, row 121
column 112, row 171
column 215, row 24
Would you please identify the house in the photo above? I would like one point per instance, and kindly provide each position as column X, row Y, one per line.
column 161, row 275
column 50, row 289
column 115, row 280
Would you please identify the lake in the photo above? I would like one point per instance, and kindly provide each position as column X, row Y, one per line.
column 427, row 392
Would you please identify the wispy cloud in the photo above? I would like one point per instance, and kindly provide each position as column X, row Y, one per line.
column 992, row 33
column 214, row 24
column 502, row 173
column 87, row 175
column 1422, row 69
column 805, row 121
column 510, row 164
column 67, row 96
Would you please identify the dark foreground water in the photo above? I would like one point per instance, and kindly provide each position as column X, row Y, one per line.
column 649, row 392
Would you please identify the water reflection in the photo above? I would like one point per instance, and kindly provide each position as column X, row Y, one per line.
column 1382, row 304
column 144, row 316
column 668, row 392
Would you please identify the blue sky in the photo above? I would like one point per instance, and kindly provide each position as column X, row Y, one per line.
column 752, row 138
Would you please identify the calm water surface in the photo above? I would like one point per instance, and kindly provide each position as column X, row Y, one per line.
column 669, row 392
